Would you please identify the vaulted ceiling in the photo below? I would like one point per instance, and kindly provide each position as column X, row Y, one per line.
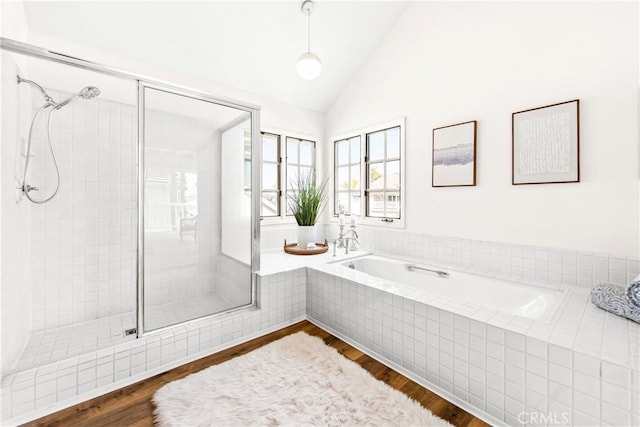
column 251, row 46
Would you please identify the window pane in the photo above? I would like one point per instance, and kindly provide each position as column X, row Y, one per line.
column 269, row 148
column 376, row 146
column 393, row 204
column 306, row 153
column 393, row 143
column 343, row 152
column 376, row 205
column 292, row 177
column 343, row 203
column 355, row 149
column 305, row 171
column 269, row 176
column 269, row 204
column 355, row 177
column 376, row 176
column 355, row 203
column 290, row 194
column 343, row 178
column 393, row 175
column 292, row 150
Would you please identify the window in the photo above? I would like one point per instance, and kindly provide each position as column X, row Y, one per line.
column 383, row 173
column 283, row 159
column 300, row 160
column 347, row 176
column 369, row 175
column 270, row 204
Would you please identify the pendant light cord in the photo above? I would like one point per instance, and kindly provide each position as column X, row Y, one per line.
column 308, row 30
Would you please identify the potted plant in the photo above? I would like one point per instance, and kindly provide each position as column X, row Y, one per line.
column 306, row 203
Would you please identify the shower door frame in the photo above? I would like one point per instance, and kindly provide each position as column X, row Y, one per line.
column 143, row 81
column 255, row 219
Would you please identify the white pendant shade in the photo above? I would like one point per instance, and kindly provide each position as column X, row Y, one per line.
column 309, row 66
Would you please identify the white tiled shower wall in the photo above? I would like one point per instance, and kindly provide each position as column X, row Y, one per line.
column 83, row 242
column 282, row 300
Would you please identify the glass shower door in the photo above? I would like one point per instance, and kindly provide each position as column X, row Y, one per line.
column 196, row 214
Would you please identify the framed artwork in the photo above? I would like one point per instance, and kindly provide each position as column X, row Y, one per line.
column 546, row 144
column 454, row 155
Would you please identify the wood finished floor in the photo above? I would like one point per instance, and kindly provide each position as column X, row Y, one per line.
column 131, row 405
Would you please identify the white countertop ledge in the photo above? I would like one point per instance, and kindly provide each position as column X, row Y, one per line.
column 277, row 261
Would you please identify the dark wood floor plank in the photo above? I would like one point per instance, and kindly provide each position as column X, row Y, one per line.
column 131, row 405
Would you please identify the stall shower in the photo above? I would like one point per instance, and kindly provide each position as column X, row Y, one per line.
column 136, row 187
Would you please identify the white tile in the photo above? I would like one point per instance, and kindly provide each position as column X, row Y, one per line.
column 495, row 335
column 586, row 404
column 586, row 364
column 536, row 347
column 495, row 383
column 614, row 415
column 616, row 374
column 560, row 356
column 495, row 350
column 515, row 341
column 560, row 374
column 515, row 358
column 536, row 365
column 616, row 395
column 560, row 393
column 535, row 401
column 583, row 419
column 536, row 383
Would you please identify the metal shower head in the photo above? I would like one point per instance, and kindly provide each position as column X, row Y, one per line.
column 86, row 93
column 89, row 92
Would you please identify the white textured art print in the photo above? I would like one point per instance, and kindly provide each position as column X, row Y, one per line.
column 545, row 144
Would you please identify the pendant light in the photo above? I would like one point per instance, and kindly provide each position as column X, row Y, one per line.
column 309, row 65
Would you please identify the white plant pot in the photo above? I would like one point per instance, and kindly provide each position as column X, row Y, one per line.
column 306, row 235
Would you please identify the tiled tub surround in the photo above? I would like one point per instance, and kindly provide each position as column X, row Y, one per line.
column 507, row 363
column 35, row 392
column 530, row 264
column 580, row 368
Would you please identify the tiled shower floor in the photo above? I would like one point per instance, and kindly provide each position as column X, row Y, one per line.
column 56, row 344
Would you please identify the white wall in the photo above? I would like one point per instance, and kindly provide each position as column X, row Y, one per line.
column 445, row 63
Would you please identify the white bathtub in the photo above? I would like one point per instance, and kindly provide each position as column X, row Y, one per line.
column 532, row 302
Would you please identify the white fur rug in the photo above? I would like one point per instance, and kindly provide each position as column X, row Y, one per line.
column 297, row 380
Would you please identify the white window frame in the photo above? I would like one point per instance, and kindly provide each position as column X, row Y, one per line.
column 283, row 218
column 278, row 163
column 352, row 162
column 362, row 218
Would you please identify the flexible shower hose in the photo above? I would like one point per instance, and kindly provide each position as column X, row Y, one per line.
column 26, row 188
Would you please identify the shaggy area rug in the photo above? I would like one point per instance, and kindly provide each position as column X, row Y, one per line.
column 297, row 380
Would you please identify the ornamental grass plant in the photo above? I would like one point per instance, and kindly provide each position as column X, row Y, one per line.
column 307, row 200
